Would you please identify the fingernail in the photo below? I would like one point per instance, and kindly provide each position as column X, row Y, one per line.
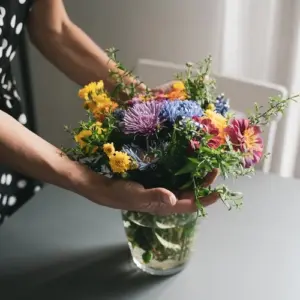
column 171, row 199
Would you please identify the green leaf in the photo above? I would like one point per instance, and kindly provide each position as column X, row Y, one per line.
column 193, row 160
column 189, row 167
column 186, row 185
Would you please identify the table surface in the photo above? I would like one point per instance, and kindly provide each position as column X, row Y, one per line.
column 60, row 246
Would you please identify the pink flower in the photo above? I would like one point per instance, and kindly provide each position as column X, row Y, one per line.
column 246, row 138
column 209, row 128
column 194, row 145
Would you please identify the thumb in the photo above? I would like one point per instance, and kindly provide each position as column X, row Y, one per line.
column 158, row 199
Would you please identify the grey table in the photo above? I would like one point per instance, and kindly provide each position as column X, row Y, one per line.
column 60, row 246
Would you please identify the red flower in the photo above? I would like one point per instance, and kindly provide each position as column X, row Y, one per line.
column 209, row 128
column 193, row 146
column 246, row 138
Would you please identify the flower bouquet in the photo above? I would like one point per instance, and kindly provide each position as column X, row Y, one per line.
column 170, row 140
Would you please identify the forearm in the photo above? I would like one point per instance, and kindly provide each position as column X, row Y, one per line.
column 77, row 56
column 29, row 154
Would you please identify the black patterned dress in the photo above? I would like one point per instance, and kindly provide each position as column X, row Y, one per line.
column 15, row 189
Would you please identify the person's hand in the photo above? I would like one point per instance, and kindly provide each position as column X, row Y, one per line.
column 164, row 88
column 128, row 195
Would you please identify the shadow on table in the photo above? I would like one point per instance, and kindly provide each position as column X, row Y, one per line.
column 109, row 274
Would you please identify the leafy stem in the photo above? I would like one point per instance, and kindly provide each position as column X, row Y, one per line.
column 277, row 105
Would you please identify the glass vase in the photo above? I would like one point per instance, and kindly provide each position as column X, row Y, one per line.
column 160, row 245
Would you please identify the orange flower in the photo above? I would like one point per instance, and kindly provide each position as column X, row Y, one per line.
column 177, row 95
column 99, row 110
column 177, row 92
column 218, row 121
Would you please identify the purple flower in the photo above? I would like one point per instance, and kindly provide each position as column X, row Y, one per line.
column 142, row 118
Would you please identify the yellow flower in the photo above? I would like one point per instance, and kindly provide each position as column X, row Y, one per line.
column 85, row 133
column 219, row 121
column 178, row 85
column 90, row 88
column 119, row 162
column 98, row 127
column 211, row 106
column 79, row 138
column 109, row 149
column 101, row 98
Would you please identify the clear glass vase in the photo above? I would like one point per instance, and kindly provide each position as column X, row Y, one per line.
column 160, row 245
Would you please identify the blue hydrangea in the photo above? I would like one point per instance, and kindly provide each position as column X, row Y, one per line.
column 222, row 105
column 173, row 110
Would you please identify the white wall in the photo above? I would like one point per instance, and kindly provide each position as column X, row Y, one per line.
column 173, row 30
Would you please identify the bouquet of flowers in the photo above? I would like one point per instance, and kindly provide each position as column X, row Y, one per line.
column 170, row 140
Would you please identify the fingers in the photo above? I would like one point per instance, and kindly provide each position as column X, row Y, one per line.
column 210, row 199
column 158, row 200
column 188, row 205
column 162, row 202
column 210, row 177
column 164, row 88
column 205, row 201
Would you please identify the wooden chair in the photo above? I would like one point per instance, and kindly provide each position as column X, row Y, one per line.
column 243, row 93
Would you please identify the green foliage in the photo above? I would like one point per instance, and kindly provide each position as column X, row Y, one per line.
column 198, row 82
column 277, row 106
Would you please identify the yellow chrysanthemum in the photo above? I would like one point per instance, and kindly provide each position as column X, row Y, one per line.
column 90, row 88
column 98, row 127
column 109, row 149
column 85, row 133
column 178, row 85
column 79, row 138
column 219, row 121
column 119, row 162
column 101, row 98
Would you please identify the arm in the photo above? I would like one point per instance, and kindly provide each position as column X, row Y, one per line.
column 67, row 46
column 29, row 154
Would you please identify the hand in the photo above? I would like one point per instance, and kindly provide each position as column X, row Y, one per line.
column 164, row 88
column 128, row 195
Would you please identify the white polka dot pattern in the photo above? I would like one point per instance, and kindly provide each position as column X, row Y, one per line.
column 15, row 189
column 19, row 28
column 2, row 15
column 8, row 51
column 12, row 56
column 8, row 104
column 37, row 189
column 12, row 200
column 4, row 200
column 21, row 184
column 13, row 21
column 4, row 43
column 22, row 119
column 3, row 178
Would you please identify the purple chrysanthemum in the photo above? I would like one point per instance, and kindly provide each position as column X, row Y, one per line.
column 174, row 110
column 142, row 118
